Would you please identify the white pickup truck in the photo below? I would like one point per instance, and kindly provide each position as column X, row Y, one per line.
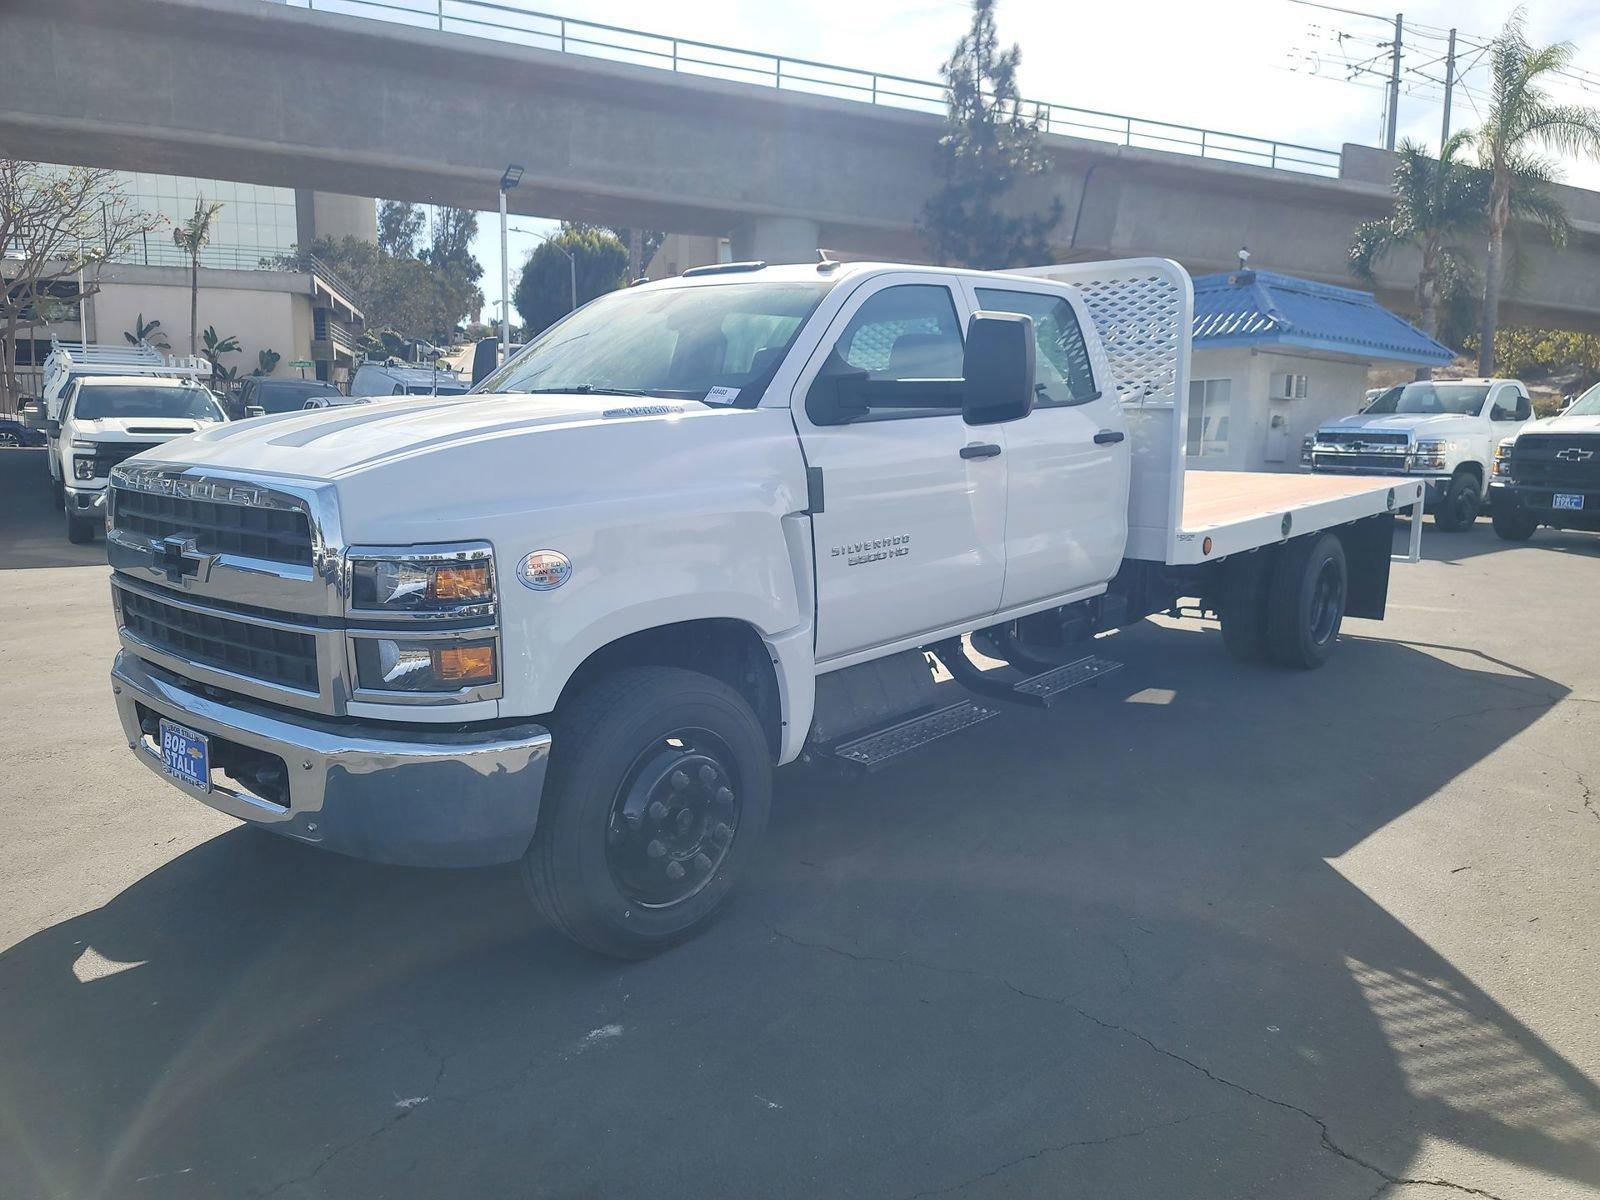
column 1444, row 432
column 698, row 529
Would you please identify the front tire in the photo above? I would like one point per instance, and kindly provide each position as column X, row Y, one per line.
column 658, row 792
column 80, row 530
column 1306, row 601
column 1463, row 497
column 1512, row 522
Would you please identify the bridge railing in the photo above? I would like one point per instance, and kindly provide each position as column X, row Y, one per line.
column 571, row 35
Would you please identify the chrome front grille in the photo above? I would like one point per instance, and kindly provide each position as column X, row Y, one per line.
column 279, row 535
column 241, row 646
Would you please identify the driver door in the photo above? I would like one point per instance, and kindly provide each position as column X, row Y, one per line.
column 910, row 535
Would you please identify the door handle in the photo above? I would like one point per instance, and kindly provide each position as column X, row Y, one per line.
column 980, row 450
column 1107, row 437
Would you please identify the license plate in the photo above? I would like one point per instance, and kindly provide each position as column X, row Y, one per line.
column 1566, row 500
column 186, row 755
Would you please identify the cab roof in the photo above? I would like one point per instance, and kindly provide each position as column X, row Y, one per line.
column 138, row 381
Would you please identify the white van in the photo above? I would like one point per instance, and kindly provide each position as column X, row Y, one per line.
column 384, row 379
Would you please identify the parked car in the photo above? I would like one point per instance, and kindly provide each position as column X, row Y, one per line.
column 259, row 395
column 1549, row 473
column 107, row 419
column 1444, row 432
column 678, row 570
column 15, row 433
column 390, row 379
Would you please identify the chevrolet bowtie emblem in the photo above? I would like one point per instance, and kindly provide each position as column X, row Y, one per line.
column 177, row 557
column 1574, row 454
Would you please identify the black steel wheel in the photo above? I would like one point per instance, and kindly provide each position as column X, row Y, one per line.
column 674, row 818
column 657, row 794
column 7, row 438
column 1513, row 522
column 1306, row 602
column 1462, row 500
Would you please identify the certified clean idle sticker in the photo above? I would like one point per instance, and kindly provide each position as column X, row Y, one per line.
column 544, row 570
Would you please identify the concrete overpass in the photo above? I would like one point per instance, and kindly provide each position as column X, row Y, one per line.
column 264, row 93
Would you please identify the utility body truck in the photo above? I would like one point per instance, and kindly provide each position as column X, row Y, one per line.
column 1444, row 432
column 102, row 405
column 1549, row 473
column 698, row 529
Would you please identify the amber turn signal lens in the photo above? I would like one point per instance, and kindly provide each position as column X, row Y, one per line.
column 464, row 664
column 464, row 584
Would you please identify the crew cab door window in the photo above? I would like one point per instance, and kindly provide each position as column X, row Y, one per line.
column 1067, row 479
column 909, row 534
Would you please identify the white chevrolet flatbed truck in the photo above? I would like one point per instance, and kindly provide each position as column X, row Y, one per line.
column 698, row 529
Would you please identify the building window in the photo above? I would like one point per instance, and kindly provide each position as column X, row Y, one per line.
column 1209, row 401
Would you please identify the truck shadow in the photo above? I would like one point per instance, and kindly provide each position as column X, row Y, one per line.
column 1482, row 539
column 1110, row 944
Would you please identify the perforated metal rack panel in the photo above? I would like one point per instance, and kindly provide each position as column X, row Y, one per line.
column 1143, row 310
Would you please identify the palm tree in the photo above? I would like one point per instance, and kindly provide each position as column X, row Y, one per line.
column 1438, row 202
column 191, row 237
column 1522, row 118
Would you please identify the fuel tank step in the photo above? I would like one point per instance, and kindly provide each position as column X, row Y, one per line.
column 882, row 746
column 1047, row 685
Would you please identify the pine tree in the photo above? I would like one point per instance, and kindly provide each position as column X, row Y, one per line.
column 988, row 147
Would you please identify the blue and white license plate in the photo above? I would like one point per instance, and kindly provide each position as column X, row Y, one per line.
column 1566, row 500
column 186, row 755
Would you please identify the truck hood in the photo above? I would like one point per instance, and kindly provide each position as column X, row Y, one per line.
column 138, row 429
column 1562, row 425
column 336, row 443
column 1422, row 424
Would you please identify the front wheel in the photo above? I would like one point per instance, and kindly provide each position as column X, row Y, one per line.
column 659, row 787
column 1459, row 508
column 1513, row 523
column 1306, row 600
column 79, row 529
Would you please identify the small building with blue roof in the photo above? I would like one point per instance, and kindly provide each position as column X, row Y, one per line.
column 1276, row 356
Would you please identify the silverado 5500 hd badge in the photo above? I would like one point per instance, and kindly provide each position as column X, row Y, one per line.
column 874, row 551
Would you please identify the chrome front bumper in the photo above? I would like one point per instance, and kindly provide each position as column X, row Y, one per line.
column 433, row 797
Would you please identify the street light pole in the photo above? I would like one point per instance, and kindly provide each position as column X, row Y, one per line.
column 508, row 180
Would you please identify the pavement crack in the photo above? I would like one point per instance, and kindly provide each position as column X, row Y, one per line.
column 1055, row 1148
column 1327, row 1142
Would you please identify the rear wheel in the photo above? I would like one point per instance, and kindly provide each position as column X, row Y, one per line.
column 79, row 529
column 1242, row 606
column 1512, row 522
column 7, row 438
column 1306, row 601
column 659, row 787
column 1462, row 499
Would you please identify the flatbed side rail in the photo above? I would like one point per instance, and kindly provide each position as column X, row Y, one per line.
column 1413, row 552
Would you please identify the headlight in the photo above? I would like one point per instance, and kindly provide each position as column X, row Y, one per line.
column 1306, row 447
column 1429, row 455
column 444, row 579
column 80, row 444
column 83, row 468
column 1502, row 457
column 423, row 665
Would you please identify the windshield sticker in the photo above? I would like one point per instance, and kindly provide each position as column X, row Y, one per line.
column 722, row 395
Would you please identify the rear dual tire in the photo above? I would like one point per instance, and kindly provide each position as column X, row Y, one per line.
column 1288, row 606
column 658, row 792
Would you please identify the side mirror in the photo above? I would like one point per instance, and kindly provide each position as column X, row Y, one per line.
column 838, row 394
column 254, row 410
column 53, row 427
column 998, row 369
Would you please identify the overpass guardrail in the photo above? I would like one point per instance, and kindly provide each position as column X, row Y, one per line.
column 571, row 35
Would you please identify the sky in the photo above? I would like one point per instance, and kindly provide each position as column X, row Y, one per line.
column 1268, row 68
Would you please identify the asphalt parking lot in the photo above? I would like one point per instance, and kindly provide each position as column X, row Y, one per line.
column 1202, row 931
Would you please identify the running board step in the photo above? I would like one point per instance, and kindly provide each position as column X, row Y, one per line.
column 882, row 746
column 1046, row 686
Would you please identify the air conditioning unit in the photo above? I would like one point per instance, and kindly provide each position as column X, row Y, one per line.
column 1288, row 387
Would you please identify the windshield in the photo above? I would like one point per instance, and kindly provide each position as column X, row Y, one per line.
column 1433, row 399
column 719, row 343
column 125, row 400
column 287, row 397
column 1586, row 405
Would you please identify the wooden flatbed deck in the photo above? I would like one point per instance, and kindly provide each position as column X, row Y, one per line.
column 1228, row 512
column 1213, row 498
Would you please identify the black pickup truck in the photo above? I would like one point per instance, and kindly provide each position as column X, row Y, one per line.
column 1549, row 473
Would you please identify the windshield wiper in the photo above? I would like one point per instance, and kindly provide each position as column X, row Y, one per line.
column 583, row 389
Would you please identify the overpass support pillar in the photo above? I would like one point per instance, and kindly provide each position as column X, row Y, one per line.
column 776, row 240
